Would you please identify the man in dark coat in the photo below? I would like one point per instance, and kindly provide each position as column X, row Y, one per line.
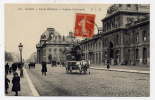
column 108, row 64
column 10, row 70
column 7, row 81
column 16, row 83
column 14, row 67
column 7, row 68
column 44, row 68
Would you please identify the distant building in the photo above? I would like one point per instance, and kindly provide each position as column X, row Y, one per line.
column 52, row 45
column 33, row 57
column 124, row 38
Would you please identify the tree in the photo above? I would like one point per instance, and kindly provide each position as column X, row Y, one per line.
column 8, row 56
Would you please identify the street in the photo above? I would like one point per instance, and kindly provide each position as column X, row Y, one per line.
column 98, row 83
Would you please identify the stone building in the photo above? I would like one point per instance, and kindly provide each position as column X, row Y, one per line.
column 124, row 38
column 51, row 46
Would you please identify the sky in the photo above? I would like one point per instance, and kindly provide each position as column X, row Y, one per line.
column 26, row 22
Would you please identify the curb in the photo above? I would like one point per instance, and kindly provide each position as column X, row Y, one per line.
column 32, row 87
column 122, row 70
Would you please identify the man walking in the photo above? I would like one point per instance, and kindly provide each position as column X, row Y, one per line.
column 44, row 68
column 7, row 68
column 108, row 64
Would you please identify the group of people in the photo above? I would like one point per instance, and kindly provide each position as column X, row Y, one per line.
column 16, row 78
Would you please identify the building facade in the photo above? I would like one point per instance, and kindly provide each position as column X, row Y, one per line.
column 52, row 45
column 124, row 38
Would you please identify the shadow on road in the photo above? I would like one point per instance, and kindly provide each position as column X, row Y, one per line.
column 77, row 73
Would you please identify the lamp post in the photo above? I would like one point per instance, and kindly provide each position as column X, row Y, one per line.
column 20, row 46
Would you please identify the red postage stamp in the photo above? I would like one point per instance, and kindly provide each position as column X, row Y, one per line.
column 84, row 25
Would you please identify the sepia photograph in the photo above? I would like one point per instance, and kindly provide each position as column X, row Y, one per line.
column 86, row 50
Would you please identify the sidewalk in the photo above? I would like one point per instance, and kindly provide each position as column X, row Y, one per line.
column 25, row 88
column 130, row 69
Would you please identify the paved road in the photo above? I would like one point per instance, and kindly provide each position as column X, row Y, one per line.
column 98, row 83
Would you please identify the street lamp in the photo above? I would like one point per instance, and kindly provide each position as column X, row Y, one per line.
column 20, row 46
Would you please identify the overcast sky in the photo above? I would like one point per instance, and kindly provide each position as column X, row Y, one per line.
column 26, row 22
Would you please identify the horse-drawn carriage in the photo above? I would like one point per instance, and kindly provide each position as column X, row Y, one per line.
column 75, row 61
column 76, row 65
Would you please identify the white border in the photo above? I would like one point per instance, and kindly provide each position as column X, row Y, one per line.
column 152, row 48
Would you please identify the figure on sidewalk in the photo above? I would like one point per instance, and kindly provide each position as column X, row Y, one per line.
column 7, row 82
column 10, row 70
column 16, row 83
column 108, row 64
column 14, row 67
column 44, row 68
column 6, row 68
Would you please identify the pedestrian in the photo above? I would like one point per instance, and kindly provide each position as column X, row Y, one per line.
column 44, row 68
column 7, row 68
column 10, row 70
column 88, row 65
column 29, row 65
column 14, row 67
column 7, row 82
column 16, row 83
column 108, row 66
column 21, row 73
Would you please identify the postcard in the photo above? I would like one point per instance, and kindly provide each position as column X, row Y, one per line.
column 92, row 50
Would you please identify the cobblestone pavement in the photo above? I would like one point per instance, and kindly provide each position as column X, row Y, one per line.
column 98, row 83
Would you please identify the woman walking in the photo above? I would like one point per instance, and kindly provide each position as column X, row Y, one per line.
column 16, row 83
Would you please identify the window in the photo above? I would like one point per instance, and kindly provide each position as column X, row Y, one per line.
column 60, row 50
column 55, row 49
column 99, row 45
column 144, row 34
column 55, row 38
column 144, row 55
column 137, row 51
column 63, row 38
column 120, row 5
column 128, row 5
column 137, row 37
column 117, row 39
column 50, row 50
